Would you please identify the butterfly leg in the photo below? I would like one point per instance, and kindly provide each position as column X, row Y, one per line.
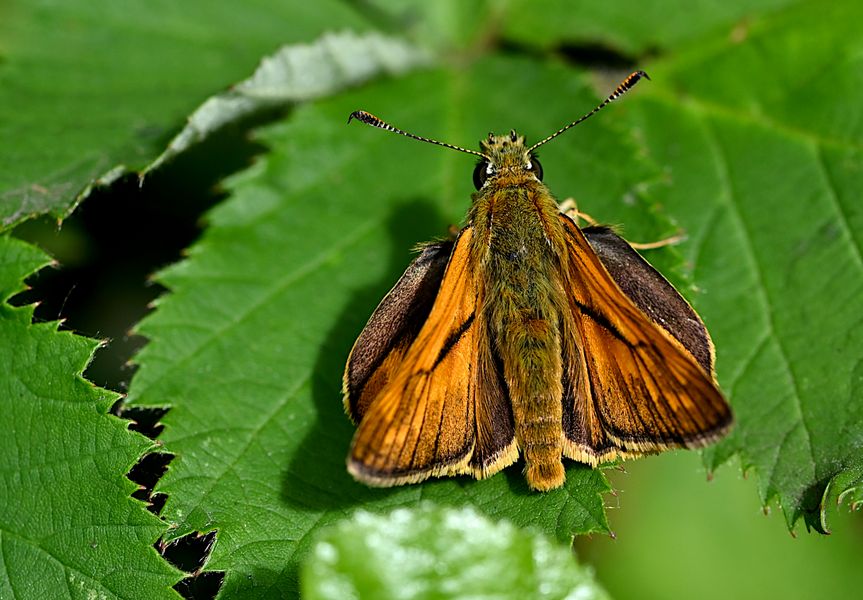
column 570, row 209
column 669, row 241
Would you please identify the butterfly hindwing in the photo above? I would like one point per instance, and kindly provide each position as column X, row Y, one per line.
column 495, row 430
column 631, row 385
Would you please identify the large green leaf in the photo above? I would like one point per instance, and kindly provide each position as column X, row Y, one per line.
column 434, row 553
column 86, row 86
column 764, row 159
column 68, row 527
column 448, row 25
column 249, row 347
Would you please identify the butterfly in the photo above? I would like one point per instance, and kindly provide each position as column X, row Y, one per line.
column 526, row 335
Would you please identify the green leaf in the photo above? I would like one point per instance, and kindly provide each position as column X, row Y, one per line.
column 68, row 527
column 86, row 86
column 249, row 347
column 432, row 552
column 764, row 163
column 294, row 74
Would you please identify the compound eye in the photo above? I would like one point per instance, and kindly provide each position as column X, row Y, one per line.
column 535, row 167
column 481, row 173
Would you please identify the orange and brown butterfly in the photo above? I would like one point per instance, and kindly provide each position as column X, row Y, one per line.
column 526, row 335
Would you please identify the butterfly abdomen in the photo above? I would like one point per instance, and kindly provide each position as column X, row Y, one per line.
column 523, row 307
column 529, row 347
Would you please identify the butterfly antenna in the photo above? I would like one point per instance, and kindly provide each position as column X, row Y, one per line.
column 626, row 85
column 370, row 119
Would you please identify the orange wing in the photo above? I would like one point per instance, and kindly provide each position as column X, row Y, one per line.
column 630, row 386
column 384, row 341
column 441, row 410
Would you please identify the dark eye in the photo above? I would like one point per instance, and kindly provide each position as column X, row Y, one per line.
column 480, row 174
column 535, row 167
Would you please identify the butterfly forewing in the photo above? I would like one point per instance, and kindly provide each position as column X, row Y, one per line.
column 380, row 348
column 423, row 421
column 651, row 293
column 631, row 386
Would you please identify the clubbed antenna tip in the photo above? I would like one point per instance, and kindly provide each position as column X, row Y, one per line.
column 625, row 85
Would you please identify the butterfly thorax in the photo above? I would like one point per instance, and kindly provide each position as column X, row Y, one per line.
column 514, row 215
column 518, row 241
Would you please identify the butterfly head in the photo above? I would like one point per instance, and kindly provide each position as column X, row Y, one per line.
column 505, row 157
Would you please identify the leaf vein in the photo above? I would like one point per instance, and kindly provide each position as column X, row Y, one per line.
column 834, row 197
column 729, row 199
column 253, row 432
column 289, row 279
